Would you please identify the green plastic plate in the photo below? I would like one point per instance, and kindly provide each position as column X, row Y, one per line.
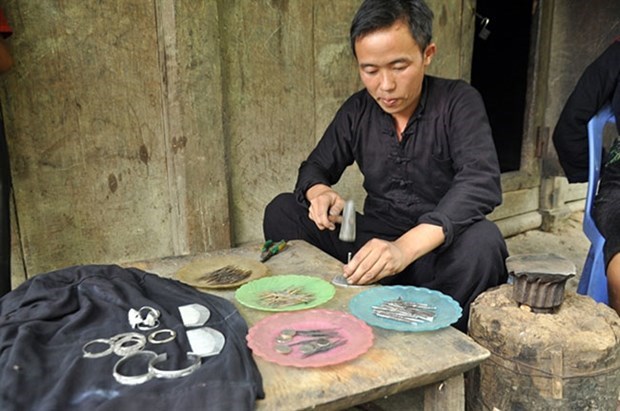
column 252, row 294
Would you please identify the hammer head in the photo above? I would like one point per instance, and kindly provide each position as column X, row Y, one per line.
column 347, row 229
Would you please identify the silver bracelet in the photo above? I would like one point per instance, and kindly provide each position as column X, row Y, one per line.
column 134, row 379
column 157, row 373
column 91, row 354
column 153, row 336
column 128, row 343
column 122, row 336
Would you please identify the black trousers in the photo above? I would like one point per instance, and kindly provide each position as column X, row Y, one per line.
column 606, row 214
column 474, row 262
column 5, row 227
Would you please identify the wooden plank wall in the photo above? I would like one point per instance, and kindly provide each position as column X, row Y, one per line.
column 83, row 109
column 113, row 116
column 139, row 130
column 268, row 104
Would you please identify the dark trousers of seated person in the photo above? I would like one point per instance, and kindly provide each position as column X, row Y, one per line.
column 473, row 263
column 606, row 214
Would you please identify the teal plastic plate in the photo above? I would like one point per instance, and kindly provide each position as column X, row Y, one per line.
column 448, row 310
column 252, row 294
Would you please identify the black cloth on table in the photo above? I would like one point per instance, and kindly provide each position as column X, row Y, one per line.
column 46, row 321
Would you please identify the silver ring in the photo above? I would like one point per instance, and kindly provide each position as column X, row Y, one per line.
column 145, row 318
column 134, row 379
column 143, row 327
column 128, row 344
column 157, row 373
column 153, row 336
column 121, row 336
column 150, row 310
column 91, row 354
column 150, row 320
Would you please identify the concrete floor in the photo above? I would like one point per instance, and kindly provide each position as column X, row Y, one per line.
column 567, row 240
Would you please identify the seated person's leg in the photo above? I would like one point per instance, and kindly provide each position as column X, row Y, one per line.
column 283, row 218
column 611, row 250
column 613, row 282
column 607, row 217
column 474, row 263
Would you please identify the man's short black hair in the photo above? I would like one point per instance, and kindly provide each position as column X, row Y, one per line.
column 380, row 14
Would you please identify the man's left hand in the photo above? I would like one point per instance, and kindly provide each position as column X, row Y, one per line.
column 377, row 259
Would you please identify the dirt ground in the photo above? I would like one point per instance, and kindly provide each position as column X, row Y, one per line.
column 566, row 240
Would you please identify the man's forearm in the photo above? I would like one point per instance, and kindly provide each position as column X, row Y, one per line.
column 419, row 241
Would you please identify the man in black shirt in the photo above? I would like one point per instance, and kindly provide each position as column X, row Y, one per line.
column 598, row 85
column 430, row 169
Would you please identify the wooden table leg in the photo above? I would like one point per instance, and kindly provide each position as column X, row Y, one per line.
column 445, row 395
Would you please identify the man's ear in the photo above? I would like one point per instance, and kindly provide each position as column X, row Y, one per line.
column 429, row 52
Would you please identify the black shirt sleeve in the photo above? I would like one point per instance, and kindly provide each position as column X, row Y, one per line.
column 332, row 155
column 475, row 188
column 596, row 87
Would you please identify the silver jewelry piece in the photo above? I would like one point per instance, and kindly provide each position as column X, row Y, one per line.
column 143, row 327
column 153, row 336
column 123, row 336
column 134, row 379
column 194, row 315
column 146, row 318
column 205, row 341
column 128, row 343
column 157, row 373
column 133, row 316
column 98, row 354
column 150, row 310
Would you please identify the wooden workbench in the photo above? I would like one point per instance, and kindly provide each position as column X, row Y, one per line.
column 397, row 361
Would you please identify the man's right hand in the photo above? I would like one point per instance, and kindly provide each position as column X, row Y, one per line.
column 325, row 206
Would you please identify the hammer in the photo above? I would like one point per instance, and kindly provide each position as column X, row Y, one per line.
column 347, row 234
column 347, row 229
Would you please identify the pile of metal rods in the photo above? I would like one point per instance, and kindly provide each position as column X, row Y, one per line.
column 229, row 274
column 405, row 311
column 286, row 298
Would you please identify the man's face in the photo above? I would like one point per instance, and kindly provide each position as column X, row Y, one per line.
column 392, row 67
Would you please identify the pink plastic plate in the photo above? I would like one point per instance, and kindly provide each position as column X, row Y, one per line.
column 358, row 335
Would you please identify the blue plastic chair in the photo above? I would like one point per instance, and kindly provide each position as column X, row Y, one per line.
column 593, row 280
